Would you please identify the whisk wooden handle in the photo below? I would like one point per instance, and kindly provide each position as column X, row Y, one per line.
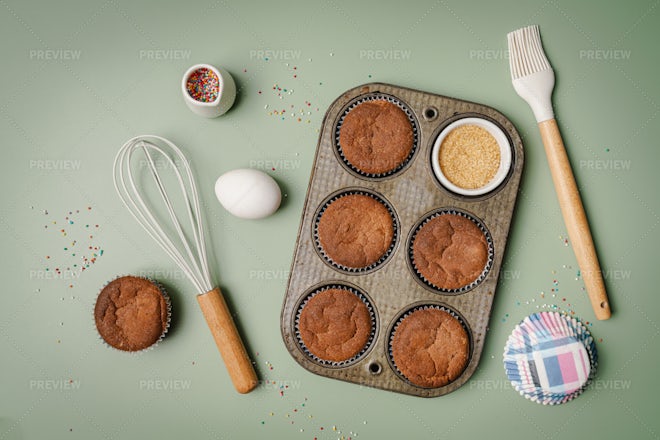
column 575, row 218
column 228, row 340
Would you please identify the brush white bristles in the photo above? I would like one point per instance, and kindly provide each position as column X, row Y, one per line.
column 526, row 55
column 532, row 75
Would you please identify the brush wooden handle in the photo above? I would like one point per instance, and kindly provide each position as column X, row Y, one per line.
column 575, row 218
column 228, row 340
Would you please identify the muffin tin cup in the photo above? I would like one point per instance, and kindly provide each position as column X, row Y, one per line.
column 412, row 192
column 428, row 284
column 393, row 328
column 372, row 314
column 368, row 268
column 168, row 301
column 401, row 166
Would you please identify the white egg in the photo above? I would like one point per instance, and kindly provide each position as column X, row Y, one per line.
column 248, row 193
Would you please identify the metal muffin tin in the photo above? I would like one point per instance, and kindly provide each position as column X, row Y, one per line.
column 414, row 193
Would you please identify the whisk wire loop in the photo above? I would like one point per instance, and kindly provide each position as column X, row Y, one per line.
column 189, row 252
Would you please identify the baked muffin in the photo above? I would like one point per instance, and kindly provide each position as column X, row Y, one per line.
column 355, row 230
column 376, row 137
column 335, row 325
column 132, row 313
column 450, row 251
column 430, row 347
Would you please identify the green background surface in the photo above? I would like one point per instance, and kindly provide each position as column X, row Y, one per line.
column 79, row 78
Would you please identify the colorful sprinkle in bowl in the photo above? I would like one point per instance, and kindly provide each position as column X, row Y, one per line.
column 208, row 91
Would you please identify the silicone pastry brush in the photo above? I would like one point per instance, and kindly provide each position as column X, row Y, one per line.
column 534, row 80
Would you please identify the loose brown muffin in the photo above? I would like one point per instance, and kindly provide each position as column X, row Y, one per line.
column 355, row 230
column 430, row 347
column 335, row 325
column 450, row 251
column 376, row 136
column 131, row 313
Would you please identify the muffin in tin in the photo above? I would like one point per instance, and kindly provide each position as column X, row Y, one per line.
column 376, row 137
column 335, row 324
column 355, row 230
column 450, row 251
column 429, row 347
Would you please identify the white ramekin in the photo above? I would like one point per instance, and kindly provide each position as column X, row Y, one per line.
column 222, row 103
column 505, row 156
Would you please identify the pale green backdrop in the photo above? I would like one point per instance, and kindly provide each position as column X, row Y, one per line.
column 79, row 78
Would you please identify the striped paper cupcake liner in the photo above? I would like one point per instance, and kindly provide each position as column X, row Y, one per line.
column 550, row 358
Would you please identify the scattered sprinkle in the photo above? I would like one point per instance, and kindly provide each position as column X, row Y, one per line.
column 71, row 262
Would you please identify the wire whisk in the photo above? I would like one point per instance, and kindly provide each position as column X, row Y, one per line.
column 186, row 244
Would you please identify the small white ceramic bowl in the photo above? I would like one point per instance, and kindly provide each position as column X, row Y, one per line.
column 505, row 157
column 222, row 103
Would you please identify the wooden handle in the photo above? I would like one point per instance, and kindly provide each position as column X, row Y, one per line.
column 575, row 218
column 228, row 340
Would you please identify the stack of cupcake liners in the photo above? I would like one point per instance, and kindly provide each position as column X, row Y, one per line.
column 550, row 358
